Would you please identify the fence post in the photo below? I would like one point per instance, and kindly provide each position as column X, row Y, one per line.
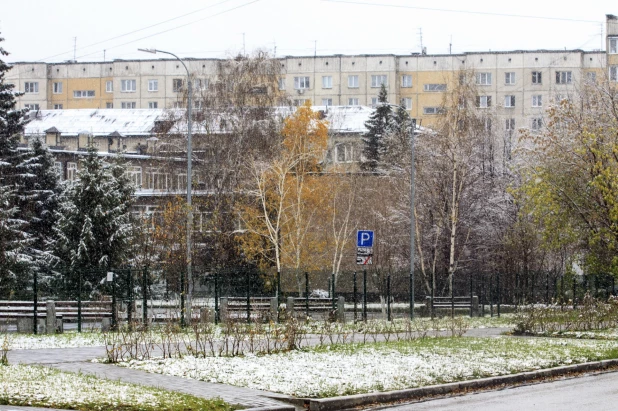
column 289, row 307
column 145, row 296
column 182, row 299
column 388, row 297
column 79, row 302
column 340, row 313
column 114, row 303
column 278, row 294
column 248, row 285
column 307, row 295
column 355, row 297
column 332, row 281
column 498, row 289
column 223, row 315
column 217, row 316
column 50, row 320
column 471, row 310
column 365, row 295
column 35, row 299
column 491, row 295
column 130, row 305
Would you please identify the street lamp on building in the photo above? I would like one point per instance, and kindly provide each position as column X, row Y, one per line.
column 189, row 183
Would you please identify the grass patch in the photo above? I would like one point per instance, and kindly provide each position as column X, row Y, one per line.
column 360, row 368
column 34, row 386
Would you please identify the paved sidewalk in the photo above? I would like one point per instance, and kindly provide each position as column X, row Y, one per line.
column 78, row 360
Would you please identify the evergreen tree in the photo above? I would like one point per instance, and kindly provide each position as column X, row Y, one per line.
column 13, row 239
column 378, row 126
column 38, row 201
column 94, row 226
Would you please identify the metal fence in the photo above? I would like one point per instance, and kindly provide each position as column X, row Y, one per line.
column 147, row 294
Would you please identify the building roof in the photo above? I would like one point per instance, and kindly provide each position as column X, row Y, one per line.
column 98, row 122
column 140, row 122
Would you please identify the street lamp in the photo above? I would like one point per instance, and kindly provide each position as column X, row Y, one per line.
column 189, row 183
column 412, row 217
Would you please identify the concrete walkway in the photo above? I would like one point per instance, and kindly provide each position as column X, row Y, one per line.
column 79, row 360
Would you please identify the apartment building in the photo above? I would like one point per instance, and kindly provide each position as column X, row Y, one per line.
column 517, row 85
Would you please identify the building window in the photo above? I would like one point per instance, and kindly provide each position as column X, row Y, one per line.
column 158, row 180
column 613, row 73
column 134, row 173
column 58, row 169
column 483, row 79
column 153, row 85
column 197, row 104
column 510, row 126
column 591, row 76
column 128, row 86
column 153, row 104
column 57, row 106
column 406, row 102
column 181, row 180
column 559, row 97
column 178, row 104
column 537, row 101
column 432, row 110
column 537, row 123
column 563, row 77
column 374, row 102
column 509, row 78
column 483, row 101
column 508, row 137
column 509, row 101
column 301, row 83
column 537, row 77
column 344, row 153
column 109, row 105
column 378, row 80
column 83, row 93
column 353, row 101
column 31, row 106
column 406, row 81
column 109, row 86
column 71, row 171
column 31, row 87
column 281, row 83
column 58, row 88
column 327, row 81
column 200, row 84
column 177, row 85
column 613, row 45
column 299, row 102
column 434, row 87
column 353, row 81
column 327, row 101
column 128, row 104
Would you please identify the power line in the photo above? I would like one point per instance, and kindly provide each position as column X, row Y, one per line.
column 139, row 30
column 486, row 13
column 175, row 28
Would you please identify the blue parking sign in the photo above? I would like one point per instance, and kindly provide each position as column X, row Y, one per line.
column 364, row 238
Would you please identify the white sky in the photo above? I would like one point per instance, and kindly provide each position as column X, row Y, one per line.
column 44, row 30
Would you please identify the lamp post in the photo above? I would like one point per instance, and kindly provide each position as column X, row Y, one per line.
column 412, row 217
column 189, row 183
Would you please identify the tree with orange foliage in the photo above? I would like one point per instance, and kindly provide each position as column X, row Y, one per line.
column 285, row 195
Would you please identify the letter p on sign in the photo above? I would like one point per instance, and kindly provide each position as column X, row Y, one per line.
column 364, row 238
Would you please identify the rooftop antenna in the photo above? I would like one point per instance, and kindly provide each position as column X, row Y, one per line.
column 450, row 46
column 74, row 48
column 315, row 48
column 420, row 34
column 104, row 54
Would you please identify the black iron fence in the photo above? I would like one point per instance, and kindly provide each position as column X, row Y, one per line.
column 147, row 294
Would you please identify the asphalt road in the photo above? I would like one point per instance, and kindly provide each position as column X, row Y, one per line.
column 590, row 392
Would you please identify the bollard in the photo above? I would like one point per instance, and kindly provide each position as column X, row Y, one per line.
column 274, row 308
column 289, row 307
column 50, row 325
column 341, row 310
column 223, row 310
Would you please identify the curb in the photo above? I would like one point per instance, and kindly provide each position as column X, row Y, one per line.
column 272, row 408
column 351, row 401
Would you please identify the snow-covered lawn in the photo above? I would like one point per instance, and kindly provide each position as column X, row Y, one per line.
column 44, row 387
column 66, row 340
column 351, row 369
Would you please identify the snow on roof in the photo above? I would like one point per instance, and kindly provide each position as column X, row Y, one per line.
column 98, row 122
column 140, row 122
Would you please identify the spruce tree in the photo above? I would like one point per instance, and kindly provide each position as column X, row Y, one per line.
column 94, row 225
column 13, row 240
column 377, row 126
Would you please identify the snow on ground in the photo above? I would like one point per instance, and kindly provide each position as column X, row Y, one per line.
column 351, row 369
column 66, row 340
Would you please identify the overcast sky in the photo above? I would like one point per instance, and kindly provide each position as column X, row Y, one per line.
column 45, row 30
